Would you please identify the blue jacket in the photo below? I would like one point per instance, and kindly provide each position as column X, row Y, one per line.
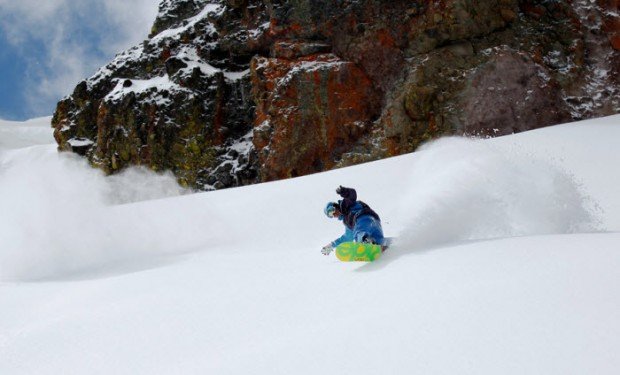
column 360, row 221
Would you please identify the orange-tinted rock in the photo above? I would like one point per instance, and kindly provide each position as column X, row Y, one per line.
column 611, row 21
column 309, row 112
column 614, row 39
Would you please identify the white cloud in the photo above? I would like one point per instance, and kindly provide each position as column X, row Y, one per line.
column 65, row 41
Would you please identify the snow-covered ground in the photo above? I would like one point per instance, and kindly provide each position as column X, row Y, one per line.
column 505, row 261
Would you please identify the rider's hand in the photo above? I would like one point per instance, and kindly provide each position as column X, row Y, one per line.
column 327, row 249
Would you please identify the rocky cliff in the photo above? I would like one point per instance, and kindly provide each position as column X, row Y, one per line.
column 232, row 92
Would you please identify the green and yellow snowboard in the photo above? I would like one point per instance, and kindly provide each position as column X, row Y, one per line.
column 358, row 252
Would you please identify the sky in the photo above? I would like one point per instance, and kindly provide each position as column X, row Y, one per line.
column 48, row 46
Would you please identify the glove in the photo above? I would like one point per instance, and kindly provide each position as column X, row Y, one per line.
column 347, row 193
column 327, row 249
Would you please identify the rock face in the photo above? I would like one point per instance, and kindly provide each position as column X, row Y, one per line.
column 232, row 92
column 518, row 89
column 308, row 111
column 181, row 101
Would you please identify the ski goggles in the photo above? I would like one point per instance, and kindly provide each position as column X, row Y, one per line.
column 331, row 211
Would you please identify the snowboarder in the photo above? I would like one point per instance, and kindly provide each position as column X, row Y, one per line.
column 362, row 224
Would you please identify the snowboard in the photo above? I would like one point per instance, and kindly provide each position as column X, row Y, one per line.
column 358, row 252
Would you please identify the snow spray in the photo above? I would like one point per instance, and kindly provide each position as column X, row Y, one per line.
column 464, row 189
column 58, row 216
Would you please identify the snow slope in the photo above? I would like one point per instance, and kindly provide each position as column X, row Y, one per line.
column 505, row 262
column 14, row 134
